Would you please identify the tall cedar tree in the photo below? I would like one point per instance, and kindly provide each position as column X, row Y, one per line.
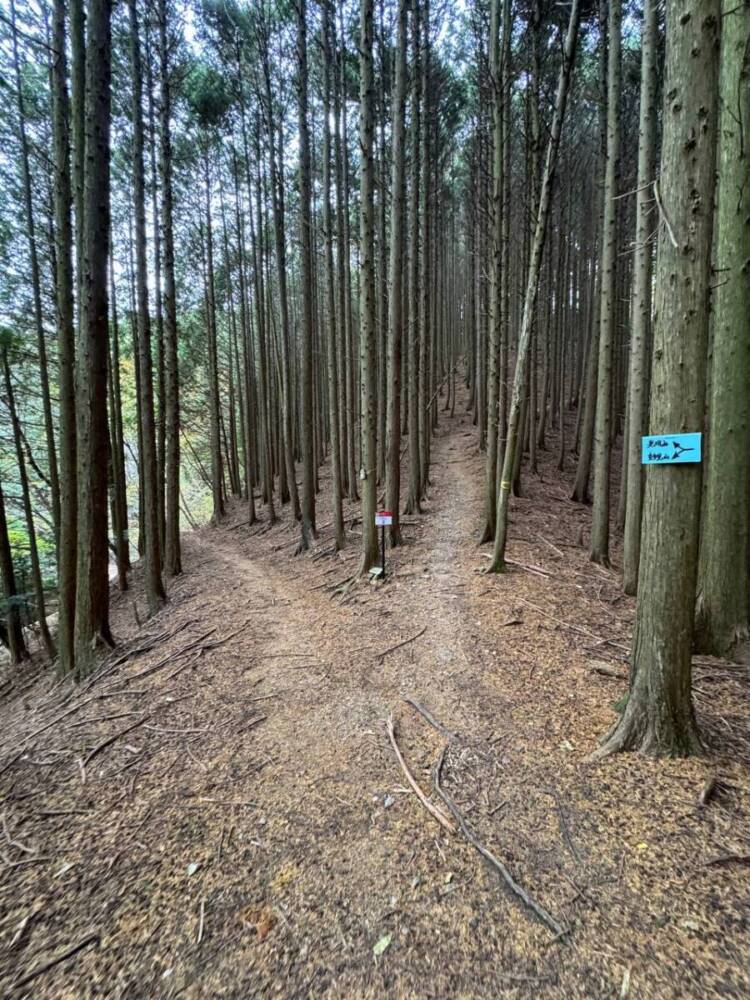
column 658, row 718
column 92, row 579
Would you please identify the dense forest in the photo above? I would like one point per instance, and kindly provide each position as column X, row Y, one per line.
column 374, row 468
column 241, row 241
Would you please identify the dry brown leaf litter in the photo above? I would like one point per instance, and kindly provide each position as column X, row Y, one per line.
column 253, row 833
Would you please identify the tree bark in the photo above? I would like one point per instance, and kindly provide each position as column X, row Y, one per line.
column 368, row 336
column 307, row 332
column 395, row 302
column 724, row 588
column 155, row 595
column 658, row 718
column 92, row 583
column 599, row 551
column 641, row 327
column 515, row 426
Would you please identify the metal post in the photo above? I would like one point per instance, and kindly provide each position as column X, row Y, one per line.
column 382, row 548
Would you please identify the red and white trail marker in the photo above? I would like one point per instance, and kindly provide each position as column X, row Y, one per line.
column 383, row 518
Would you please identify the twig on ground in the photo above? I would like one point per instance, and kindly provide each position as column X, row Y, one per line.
column 110, row 740
column 246, row 727
column 572, row 627
column 429, row 717
column 15, row 843
column 564, row 825
column 709, row 789
column 403, row 642
column 56, row 959
column 529, row 901
column 220, row 642
column 201, row 920
column 552, row 546
column 725, row 859
column 607, row 671
column 436, row 813
column 170, row 656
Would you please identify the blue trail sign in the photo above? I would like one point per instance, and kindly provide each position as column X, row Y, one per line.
column 670, row 449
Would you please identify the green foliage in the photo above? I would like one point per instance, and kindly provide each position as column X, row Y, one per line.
column 207, row 95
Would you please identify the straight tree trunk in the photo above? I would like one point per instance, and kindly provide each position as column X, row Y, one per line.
column 36, row 285
column 659, row 719
column 641, row 326
column 155, row 595
column 36, row 572
column 515, row 427
column 172, row 548
column 12, row 611
column 368, row 335
column 396, row 262
column 279, row 214
column 413, row 505
column 724, row 588
column 307, row 333
column 333, row 333
column 602, row 430
column 92, row 582
column 495, row 322
column 66, row 349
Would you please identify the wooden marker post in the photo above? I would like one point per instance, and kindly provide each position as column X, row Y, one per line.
column 383, row 518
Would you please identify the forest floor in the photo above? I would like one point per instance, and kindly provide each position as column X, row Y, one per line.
column 219, row 811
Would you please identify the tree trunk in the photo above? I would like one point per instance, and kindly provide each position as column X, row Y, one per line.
column 36, row 285
column 92, row 584
column 639, row 340
column 172, row 548
column 515, row 427
column 11, row 611
column 659, row 718
column 63, row 199
column 395, row 303
column 306, row 383
column 368, row 335
column 155, row 595
column 36, row 572
column 724, row 588
column 602, row 430
column 333, row 333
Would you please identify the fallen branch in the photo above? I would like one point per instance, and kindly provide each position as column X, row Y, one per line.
column 110, row 740
column 725, row 859
column 436, row 813
column 15, row 843
column 220, row 642
column 404, row 642
column 429, row 717
column 170, row 656
column 531, row 903
column 60, row 957
column 606, row 671
column 574, row 628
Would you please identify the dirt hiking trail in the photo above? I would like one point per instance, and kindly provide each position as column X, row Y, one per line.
column 219, row 812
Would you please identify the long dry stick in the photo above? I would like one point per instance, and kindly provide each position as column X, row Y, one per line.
column 518, row 890
column 170, row 656
column 111, row 739
column 403, row 642
column 436, row 813
column 46, row 966
column 572, row 627
column 429, row 717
